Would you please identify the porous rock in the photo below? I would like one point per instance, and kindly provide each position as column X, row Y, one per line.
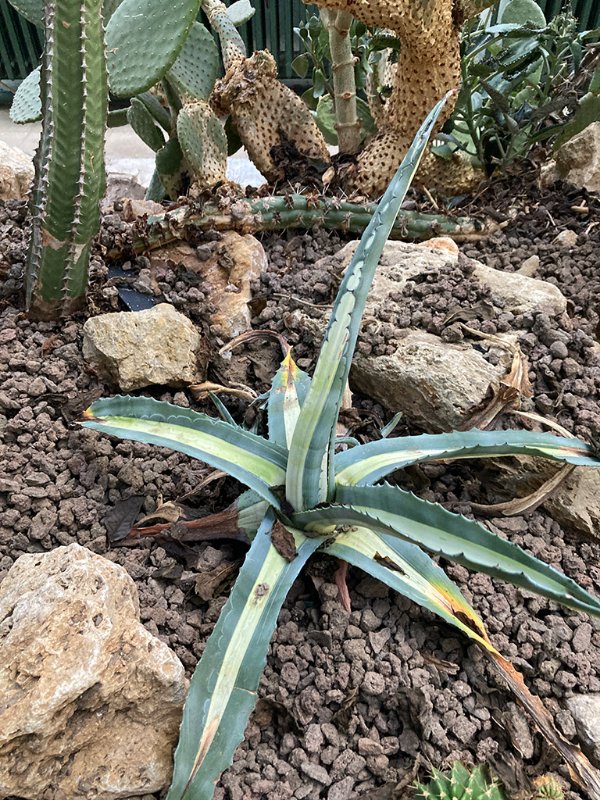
column 433, row 383
column 227, row 267
column 575, row 504
column 91, row 700
column 511, row 291
column 157, row 346
column 585, row 709
column 578, row 160
column 16, row 173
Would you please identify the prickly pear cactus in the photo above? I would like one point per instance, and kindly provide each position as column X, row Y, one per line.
column 273, row 123
column 197, row 66
column 143, row 39
column 70, row 178
column 203, row 144
column 428, row 66
column 27, row 102
column 460, row 784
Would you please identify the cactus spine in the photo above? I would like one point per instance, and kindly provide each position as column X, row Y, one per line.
column 70, row 176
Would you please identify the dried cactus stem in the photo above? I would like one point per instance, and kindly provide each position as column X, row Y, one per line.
column 275, row 126
column 70, row 178
column 294, row 211
column 347, row 124
column 428, row 66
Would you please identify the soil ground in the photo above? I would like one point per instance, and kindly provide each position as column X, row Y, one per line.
column 352, row 704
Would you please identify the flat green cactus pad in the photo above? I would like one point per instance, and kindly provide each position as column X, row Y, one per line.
column 203, row 142
column 143, row 39
column 197, row 66
column 27, row 103
column 32, row 10
column 240, row 12
column 143, row 124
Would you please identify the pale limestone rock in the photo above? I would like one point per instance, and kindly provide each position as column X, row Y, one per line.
column 134, row 207
column 400, row 262
column 16, row 173
column 227, row 267
column 585, row 709
column 158, row 346
column 548, row 174
column 578, row 160
column 575, row 505
column 91, row 701
column 433, row 383
column 441, row 243
column 530, row 266
column 566, row 239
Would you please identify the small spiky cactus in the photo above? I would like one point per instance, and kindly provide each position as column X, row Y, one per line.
column 547, row 787
column 460, row 784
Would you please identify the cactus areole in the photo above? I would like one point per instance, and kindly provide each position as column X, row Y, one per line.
column 70, row 177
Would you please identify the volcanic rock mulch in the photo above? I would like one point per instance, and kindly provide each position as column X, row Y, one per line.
column 348, row 702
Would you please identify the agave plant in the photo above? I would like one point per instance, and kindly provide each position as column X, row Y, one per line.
column 305, row 497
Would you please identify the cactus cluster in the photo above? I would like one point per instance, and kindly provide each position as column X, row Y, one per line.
column 460, row 784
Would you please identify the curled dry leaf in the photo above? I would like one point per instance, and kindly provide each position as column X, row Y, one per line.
column 514, row 386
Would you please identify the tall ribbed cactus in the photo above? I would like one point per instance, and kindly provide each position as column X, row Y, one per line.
column 70, row 177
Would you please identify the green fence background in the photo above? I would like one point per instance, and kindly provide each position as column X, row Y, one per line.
column 272, row 27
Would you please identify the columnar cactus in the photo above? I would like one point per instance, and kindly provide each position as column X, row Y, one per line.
column 70, row 179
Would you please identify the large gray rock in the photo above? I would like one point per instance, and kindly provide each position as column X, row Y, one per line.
column 158, row 346
column 91, row 701
column 585, row 709
column 578, row 160
column 401, row 261
column 435, row 384
column 16, row 173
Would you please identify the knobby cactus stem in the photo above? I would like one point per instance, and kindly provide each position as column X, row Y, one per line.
column 70, row 176
column 293, row 211
column 347, row 124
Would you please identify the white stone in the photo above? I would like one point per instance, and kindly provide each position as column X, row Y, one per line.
column 401, row 261
column 566, row 239
column 578, row 160
column 530, row 266
column 433, row 383
column 585, row 709
column 91, row 701
column 227, row 268
column 16, row 173
column 158, row 346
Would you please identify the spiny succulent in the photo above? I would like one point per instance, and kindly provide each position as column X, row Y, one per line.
column 428, row 66
column 460, row 784
column 548, row 788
